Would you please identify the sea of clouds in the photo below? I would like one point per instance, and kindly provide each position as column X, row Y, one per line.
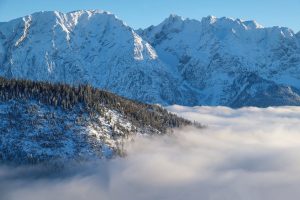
column 244, row 154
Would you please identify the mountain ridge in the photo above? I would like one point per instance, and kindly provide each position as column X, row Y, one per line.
column 224, row 48
column 180, row 61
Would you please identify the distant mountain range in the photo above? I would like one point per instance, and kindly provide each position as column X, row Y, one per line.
column 215, row 61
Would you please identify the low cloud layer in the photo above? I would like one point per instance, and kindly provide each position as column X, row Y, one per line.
column 249, row 153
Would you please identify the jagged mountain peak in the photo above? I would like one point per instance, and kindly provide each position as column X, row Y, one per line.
column 252, row 24
column 210, row 19
column 46, row 23
column 94, row 22
column 73, row 17
column 218, row 26
column 90, row 14
column 174, row 18
column 92, row 11
column 57, row 13
column 173, row 21
column 81, row 47
column 229, row 23
column 213, row 20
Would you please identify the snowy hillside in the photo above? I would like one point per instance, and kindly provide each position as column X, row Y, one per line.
column 215, row 61
column 42, row 122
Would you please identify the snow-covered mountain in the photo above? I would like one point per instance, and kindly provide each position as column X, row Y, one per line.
column 215, row 61
column 230, row 61
column 91, row 47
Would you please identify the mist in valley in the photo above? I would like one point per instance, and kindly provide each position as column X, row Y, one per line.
column 249, row 153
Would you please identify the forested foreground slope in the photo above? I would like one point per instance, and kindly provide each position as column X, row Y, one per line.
column 42, row 122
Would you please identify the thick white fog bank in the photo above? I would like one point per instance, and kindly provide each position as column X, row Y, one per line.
column 245, row 154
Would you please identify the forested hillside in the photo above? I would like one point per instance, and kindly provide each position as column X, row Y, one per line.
column 42, row 121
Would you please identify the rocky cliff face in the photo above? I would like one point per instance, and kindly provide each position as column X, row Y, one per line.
column 180, row 61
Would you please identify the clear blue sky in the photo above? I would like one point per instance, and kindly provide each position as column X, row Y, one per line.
column 142, row 13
